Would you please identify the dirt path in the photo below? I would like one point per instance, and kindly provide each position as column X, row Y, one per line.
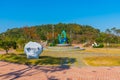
column 3, row 51
column 10, row 71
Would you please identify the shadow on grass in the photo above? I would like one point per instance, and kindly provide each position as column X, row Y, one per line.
column 43, row 60
column 55, row 60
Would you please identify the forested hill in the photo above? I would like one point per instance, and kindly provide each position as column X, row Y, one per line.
column 75, row 33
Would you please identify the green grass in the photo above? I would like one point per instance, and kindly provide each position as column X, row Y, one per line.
column 87, row 57
column 43, row 60
column 103, row 61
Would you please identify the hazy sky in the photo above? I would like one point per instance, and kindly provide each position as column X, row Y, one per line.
column 101, row 14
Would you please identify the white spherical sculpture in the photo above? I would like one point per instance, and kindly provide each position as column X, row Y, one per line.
column 33, row 50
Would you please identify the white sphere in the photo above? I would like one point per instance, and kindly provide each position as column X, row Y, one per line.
column 33, row 49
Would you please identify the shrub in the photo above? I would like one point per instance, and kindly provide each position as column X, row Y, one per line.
column 52, row 44
column 6, row 45
column 99, row 46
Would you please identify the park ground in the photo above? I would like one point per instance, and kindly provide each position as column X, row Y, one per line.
column 75, row 65
column 10, row 71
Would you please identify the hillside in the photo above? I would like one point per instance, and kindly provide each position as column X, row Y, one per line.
column 75, row 33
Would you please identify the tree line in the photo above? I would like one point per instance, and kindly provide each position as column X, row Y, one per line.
column 76, row 33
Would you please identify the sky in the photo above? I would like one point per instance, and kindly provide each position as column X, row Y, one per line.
column 101, row 14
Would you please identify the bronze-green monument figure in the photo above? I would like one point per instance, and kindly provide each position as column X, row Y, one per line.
column 62, row 37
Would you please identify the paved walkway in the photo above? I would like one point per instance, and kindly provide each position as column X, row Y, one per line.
column 10, row 71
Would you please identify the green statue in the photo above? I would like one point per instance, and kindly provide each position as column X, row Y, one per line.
column 62, row 37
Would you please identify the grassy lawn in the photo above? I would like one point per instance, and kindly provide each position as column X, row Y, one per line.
column 87, row 57
column 102, row 50
column 103, row 61
column 44, row 59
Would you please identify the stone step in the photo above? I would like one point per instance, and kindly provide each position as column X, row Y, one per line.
column 68, row 48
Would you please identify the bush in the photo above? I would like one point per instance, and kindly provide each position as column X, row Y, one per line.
column 99, row 46
column 6, row 45
column 112, row 45
column 52, row 44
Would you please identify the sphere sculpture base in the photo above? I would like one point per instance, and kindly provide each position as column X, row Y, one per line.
column 64, row 48
column 63, row 45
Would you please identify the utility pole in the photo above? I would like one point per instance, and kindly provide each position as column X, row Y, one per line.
column 53, row 32
column 70, row 36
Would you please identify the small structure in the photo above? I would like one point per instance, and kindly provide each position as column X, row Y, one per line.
column 95, row 44
column 33, row 50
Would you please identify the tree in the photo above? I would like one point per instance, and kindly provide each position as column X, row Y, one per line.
column 6, row 45
column 21, row 42
column 75, row 32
